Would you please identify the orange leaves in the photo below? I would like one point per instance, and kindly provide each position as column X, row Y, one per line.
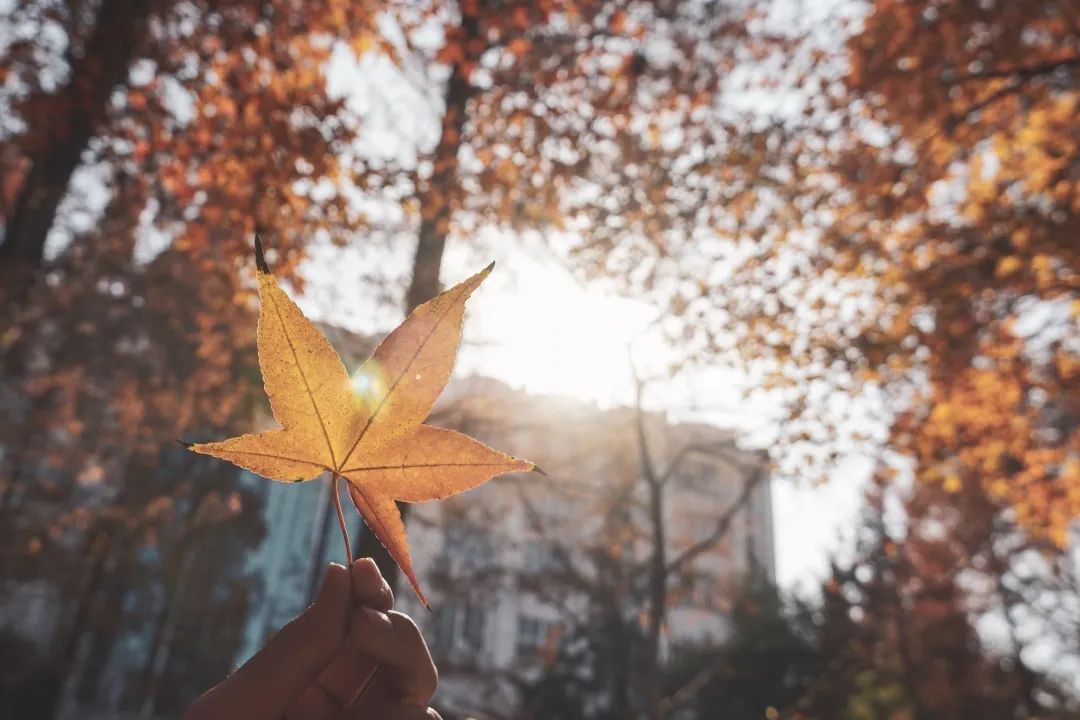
column 1007, row 266
column 519, row 46
column 136, row 100
column 983, row 429
column 366, row 428
column 973, row 235
column 450, row 54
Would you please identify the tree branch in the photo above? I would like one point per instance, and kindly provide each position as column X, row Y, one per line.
column 1024, row 71
column 687, row 692
column 723, row 525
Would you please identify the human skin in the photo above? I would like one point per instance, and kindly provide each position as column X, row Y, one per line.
column 320, row 665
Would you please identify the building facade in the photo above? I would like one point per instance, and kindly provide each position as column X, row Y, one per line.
column 509, row 566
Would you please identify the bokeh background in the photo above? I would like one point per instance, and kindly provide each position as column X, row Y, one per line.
column 787, row 304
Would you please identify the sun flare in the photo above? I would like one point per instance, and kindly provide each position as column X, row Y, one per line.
column 550, row 335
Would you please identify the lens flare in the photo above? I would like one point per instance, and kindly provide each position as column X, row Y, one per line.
column 367, row 383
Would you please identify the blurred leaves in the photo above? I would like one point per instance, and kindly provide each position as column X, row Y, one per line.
column 974, row 201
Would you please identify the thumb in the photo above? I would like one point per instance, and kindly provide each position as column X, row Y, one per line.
column 265, row 685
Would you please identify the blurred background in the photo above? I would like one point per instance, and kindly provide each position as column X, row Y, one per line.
column 786, row 303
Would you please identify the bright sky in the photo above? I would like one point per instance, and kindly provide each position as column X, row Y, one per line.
column 535, row 327
column 549, row 335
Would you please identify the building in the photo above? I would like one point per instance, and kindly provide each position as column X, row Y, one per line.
column 495, row 559
column 486, row 557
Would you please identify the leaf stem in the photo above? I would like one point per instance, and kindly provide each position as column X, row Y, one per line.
column 336, row 491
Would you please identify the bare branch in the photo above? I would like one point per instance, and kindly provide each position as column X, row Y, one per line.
column 687, row 692
column 723, row 525
column 1023, row 71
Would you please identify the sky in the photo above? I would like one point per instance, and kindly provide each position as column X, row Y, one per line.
column 553, row 336
column 535, row 327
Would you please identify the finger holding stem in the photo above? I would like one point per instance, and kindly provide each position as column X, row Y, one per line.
column 335, row 487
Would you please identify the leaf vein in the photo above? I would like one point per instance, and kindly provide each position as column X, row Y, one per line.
column 275, row 457
column 422, row 465
column 397, row 380
column 382, row 531
column 303, row 377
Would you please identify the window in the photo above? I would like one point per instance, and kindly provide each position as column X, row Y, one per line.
column 701, row 526
column 539, row 557
column 472, row 633
column 473, row 547
column 459, row 626
column 533, row 636
column 704, row 592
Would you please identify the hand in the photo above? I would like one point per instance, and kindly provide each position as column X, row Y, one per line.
column 320, row 665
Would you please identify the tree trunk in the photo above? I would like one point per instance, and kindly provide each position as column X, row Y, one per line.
column 80, row 109
column 97, row 556
column 165, row 633
column 437, row 199
column 658, row 572
column 657, row 600
column 105, row 627
column 657, row 591
column 97, row 602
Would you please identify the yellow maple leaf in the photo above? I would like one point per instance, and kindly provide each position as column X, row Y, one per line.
column 367, row 429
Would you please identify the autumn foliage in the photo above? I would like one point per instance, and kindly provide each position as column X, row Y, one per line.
column 972, row 213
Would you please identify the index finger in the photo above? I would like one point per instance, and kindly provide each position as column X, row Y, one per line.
column 347, row 673
column 265, row 685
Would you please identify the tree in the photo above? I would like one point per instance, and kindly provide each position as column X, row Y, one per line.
column 1001, row 407
column 215, row 123
column 514, row 148
column 217, row 102
column 901, row 251
column 59, row 125
column 897, row 628
column 549, row 107
column 770, row 661
column 607, row 547
column 219, row 133
column 982, row 281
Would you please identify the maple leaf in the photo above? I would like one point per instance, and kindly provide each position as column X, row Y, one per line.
column 367, row 429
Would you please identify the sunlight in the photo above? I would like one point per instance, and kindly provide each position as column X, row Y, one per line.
column 548, row 334
column 361, row 382
column 367, row 382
